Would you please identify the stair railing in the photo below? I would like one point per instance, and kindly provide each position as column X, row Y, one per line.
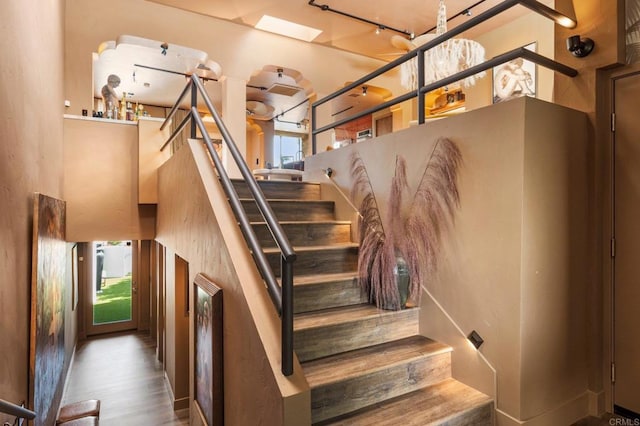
column 418, row 53
column 16, row 410
column 281, row 295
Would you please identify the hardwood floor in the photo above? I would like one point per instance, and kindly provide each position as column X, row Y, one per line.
column 121, row 371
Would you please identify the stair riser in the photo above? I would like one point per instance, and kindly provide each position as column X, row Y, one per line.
column 316, row 234
column 314, row 297
column 478, row 416
column 320, row 261
column 281, row 190
column 349, row 395
column 318, row 342
column 291, row 211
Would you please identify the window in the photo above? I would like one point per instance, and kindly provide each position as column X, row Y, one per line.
column 286, row 149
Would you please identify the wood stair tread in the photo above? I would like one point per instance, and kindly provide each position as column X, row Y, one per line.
column 277, row 182
column 301, row 280
column 437, row 404
column 307, row 222
column 358, row 362
column 303, row 249
column 290, row 200
column 332, row 316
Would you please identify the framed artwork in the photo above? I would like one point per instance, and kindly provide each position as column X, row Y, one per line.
column 208, row 378
column 74, row 277
column 47, row 348
column 515, row 78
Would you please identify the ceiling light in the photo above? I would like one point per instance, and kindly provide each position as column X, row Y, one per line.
column 287, row 28
column 445, row 59
column 364, row 90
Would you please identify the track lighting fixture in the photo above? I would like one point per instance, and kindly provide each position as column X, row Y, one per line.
column 163, row 48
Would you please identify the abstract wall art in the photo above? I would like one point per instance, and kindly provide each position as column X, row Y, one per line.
column 47, row 347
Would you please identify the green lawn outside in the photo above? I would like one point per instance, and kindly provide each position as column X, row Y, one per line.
column 114, row 303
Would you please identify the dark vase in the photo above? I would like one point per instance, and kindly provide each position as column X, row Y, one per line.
column 401, row 275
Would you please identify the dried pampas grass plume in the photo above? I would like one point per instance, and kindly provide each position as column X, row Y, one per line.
column 416, row 235
column 431, row 213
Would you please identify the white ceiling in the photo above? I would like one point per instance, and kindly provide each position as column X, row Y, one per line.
column 132, row 58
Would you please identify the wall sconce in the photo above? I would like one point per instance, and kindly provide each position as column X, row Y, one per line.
column 364, row 90
column 475, row 339
column 579, row 47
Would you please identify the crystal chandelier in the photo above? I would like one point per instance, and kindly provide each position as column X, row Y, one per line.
column 443, row 60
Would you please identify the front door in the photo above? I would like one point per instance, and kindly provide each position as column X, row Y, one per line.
column 627, row 238
column 112, row 286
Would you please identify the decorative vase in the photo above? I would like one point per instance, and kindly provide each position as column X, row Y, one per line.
column 401, row 275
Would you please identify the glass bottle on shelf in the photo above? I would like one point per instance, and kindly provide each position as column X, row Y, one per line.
column 123, row 106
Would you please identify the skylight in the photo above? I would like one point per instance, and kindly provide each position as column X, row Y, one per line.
column 287, row 28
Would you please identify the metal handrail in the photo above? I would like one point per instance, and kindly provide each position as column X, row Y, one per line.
column 16, row 410
column 533, row 5
column 519, row 52
column 281, row 296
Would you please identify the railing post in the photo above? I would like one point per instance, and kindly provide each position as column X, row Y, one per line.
column 421, row 96
column 313, row 128
column 194, row 104
column 286, row 269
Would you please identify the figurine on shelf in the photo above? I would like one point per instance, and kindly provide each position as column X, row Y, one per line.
column 109, row 94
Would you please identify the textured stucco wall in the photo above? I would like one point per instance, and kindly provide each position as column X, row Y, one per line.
column 31, row 81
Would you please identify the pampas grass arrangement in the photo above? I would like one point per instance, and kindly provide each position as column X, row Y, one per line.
column 415, row 235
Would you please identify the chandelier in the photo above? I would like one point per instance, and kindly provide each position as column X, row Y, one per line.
column 443, row 60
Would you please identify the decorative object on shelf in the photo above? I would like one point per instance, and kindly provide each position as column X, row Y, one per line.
column 403, row 250
column 515, row 78
column 443, row 60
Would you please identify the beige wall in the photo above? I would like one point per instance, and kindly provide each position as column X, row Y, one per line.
column 190, row 208
column 30, row 160
column 150, row 158
column 101, row 182
column 513, row 266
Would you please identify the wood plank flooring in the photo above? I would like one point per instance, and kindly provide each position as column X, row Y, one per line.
column 121, row 371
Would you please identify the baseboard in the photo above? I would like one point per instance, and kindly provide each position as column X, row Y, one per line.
column 596, row 403
column 178, row 404
column 181, row 404
column 565, row 414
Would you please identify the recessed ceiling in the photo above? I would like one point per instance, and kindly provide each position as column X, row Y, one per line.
column 150, row 73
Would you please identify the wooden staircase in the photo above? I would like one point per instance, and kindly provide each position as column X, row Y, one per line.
column 365, row 366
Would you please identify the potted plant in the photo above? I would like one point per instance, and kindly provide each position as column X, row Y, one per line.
column 396, row 255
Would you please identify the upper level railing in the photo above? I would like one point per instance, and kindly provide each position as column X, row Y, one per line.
column 16, row 410
column 418, row 53
column 281, row 296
